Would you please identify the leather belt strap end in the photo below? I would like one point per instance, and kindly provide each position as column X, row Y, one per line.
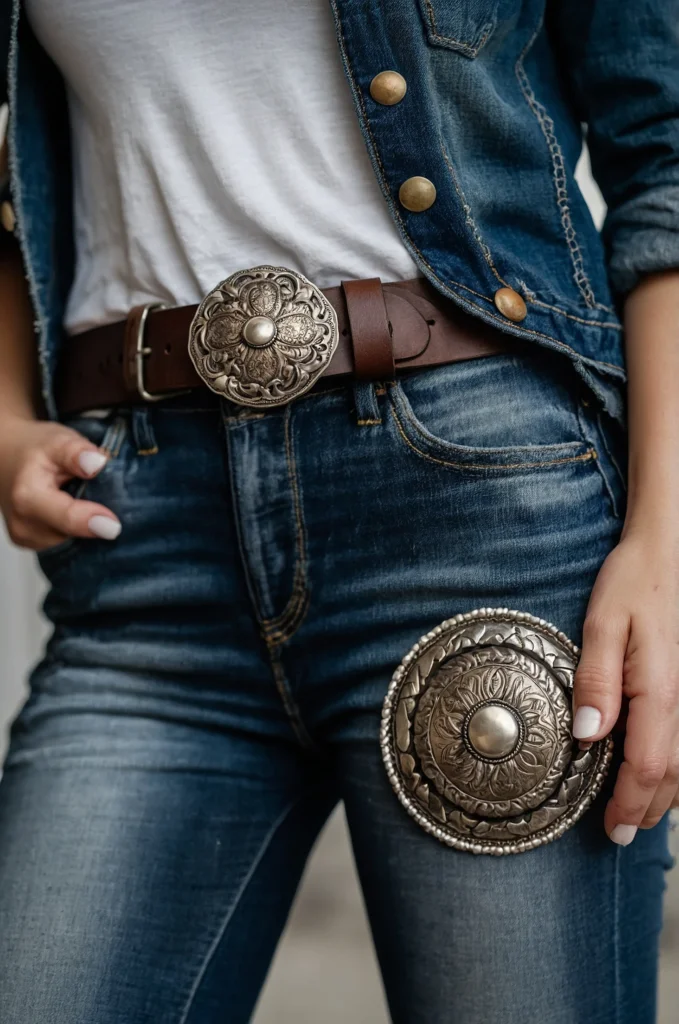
column 371, row 332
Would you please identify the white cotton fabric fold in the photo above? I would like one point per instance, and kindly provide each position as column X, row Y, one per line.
column 209, row 136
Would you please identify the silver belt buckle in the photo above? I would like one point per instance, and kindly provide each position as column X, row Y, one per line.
column 263, row 336
column 477, row 734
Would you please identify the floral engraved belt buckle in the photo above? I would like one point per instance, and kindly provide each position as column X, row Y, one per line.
column 263, row 336
column 477, row 734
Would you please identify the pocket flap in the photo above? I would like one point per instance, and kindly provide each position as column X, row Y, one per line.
column 461, row 25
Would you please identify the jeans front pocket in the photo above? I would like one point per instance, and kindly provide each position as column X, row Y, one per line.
column 109, row 434
column 502, row 413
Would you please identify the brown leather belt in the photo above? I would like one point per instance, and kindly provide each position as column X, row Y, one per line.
column 379, row 331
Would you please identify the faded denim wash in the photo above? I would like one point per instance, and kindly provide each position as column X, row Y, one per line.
column 214, row 683
column 498, row 93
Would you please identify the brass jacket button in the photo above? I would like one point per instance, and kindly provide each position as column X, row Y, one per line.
column 388, row 88
column 7, row 216
column 511, row 304
column 417, row 194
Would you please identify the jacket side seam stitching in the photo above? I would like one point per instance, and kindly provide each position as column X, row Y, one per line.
column 558, row 173
column 469, row 217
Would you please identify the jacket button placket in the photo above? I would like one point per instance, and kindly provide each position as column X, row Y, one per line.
column 417, row 193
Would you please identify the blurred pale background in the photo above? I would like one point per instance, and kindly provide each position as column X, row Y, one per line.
column 325, row 968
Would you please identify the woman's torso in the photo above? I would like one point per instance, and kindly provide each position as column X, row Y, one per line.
column 207, row 138
column 494, row 126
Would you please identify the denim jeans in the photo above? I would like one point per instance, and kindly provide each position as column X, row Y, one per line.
column 213, row 687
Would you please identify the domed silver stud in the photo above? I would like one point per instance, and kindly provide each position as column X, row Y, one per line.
column 259, row 331
column 493, row 731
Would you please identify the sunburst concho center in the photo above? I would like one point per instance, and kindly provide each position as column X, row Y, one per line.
column 493, row 730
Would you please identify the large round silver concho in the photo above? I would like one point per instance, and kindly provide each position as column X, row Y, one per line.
column 263, row 336
column 477, row 733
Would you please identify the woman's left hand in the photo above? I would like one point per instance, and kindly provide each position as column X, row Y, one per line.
column 631, row 647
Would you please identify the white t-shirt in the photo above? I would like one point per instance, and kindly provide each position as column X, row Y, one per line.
column 210, row 136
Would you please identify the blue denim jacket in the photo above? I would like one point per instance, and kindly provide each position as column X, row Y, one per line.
column 499, row 94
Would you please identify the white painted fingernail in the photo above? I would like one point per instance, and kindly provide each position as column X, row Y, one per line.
column 91, row 462
column 587, row 723
column 104, row 527
column 623, row 834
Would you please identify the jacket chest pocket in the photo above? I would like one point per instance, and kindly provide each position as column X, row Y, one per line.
column 461, row 25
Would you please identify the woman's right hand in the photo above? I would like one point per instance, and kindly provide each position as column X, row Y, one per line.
column 36, row 459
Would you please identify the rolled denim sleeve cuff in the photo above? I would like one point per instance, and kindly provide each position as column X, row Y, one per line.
column 642, row 236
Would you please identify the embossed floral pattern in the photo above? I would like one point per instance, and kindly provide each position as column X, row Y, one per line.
column 302, row 345
column 493, row 787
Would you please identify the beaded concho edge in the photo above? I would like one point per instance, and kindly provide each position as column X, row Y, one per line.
column 590, row 761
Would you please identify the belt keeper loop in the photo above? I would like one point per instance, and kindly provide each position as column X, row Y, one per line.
column 366, row 407
column 143, row 434
column 371, row 342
